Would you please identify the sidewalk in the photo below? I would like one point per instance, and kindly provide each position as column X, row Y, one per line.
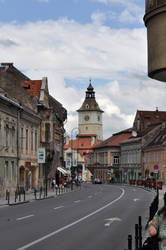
column 145, row 233
column 161, row 195
column 30, row 196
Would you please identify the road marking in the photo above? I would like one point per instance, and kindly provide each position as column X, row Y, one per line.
column 77, row 201
column 111, row 220
column 55, row 208
column 25, row 217
column 90, row 196
column 72, row 224
column 136, row 199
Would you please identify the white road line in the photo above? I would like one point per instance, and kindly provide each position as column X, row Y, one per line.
column 58, row 207
column 72, row 224
column 25, row 217
column 77, row 201
column 90, row 196
column 136, row 199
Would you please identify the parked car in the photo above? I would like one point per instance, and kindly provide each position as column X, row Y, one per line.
column 97, row 181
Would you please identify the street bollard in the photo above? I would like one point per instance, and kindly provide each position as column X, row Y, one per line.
column 24, row 194
column 35, row 192
column 129, row 242
column 6, row 194
column 8, row 198
column 140, row 231
column 41, row 189
column 15, row 196
column 136, row 236
column 19, row 194
column 56, row 190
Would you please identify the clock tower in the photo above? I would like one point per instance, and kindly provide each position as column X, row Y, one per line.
column 90, row 116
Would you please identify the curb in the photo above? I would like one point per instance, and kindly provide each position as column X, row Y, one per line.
column 18, row 203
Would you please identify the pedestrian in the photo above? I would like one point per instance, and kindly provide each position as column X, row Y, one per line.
column 53, row 184
column 158, row 226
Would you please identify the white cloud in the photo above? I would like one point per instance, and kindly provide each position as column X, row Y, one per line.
column 98, row 18
column 132, row 12
column 65, row 49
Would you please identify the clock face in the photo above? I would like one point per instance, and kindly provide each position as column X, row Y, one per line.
column 86, row 118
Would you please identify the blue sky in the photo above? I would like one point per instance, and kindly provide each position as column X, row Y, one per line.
column 70, row 41
column 79, row 10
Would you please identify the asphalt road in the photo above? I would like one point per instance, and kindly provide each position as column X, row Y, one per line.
column 99, row 217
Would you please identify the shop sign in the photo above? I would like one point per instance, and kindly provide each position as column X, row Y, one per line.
column 41, row 155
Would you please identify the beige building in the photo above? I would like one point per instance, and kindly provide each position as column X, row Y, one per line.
column 8, row 144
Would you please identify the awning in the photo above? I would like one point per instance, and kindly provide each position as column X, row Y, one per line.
column 62, row 170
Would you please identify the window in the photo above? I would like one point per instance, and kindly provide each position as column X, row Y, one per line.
column 47, row 132
column 35, row 140
column 149, row 157
column 6, row 172
column 13, row 139
column 12, row 171
column 162, row 156
column 116, row 159
column 32, row 140
column 157, row 156
column 26, row 138
column 6, row 136
column 22, row 138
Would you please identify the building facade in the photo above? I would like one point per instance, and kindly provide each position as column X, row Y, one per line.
column 107, row 157
column 8, row 144
column 40, row 123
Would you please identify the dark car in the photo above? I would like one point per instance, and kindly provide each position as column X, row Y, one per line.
column 97, row 181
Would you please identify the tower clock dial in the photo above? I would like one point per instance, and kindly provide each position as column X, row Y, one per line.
column 86, row 117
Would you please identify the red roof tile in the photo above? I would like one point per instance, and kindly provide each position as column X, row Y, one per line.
column 115, row 139
column 32, row 87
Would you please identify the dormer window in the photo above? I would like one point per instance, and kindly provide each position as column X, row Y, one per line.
column 87, row 106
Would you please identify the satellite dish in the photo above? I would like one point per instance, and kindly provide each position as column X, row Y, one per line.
column 134, row 133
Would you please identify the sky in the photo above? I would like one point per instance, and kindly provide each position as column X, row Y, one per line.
column 71, row 41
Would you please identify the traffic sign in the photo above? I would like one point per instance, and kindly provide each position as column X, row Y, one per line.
column 156, row 167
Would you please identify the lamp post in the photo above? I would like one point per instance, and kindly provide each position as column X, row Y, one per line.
column 72, row 156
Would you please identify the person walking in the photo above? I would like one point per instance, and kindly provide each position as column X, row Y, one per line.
column 157, row 226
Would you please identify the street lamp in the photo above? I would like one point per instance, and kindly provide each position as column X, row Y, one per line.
column 73, row 160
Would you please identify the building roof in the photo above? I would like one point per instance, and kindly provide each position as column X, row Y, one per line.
column 131, row 140
column 32, row 87
column 115, row 139
column 59, row 110
column 90, row 103
column 149, row 117
column 17, row 74
column 159, row 139
column 84, row 143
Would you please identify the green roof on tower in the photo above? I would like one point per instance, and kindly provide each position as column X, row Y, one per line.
column 90, row 103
